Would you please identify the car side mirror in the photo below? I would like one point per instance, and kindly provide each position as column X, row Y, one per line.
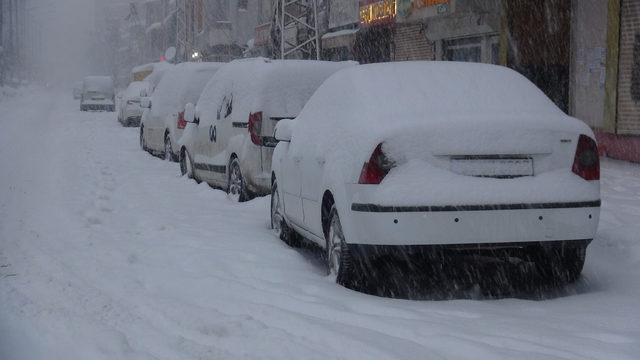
column 283, row 130
column 189, row 113
column 145, row 103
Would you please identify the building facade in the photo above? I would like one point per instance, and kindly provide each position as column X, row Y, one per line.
column 401, row 30
column 12, row 40
column 160, row 28
column 619, row 131
column 216, row 30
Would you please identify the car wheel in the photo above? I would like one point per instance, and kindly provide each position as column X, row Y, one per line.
column 278, row 223
column 168, row 153
column 143, row 144
column 186, row 165
column 338, row 256
column 561, row 264
column 236, row 187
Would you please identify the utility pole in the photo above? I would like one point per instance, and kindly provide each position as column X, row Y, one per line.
column 2, row 42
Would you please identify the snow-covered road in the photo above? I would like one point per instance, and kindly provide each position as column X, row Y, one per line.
column 107, row 253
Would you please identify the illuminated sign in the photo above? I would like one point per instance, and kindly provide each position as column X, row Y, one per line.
column 427, row 3
column 380, row 11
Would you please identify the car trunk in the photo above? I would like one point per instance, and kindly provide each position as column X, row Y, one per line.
column 476, row 165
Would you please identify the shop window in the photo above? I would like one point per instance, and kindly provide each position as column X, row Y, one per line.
column 635, row 70
column 341, row 53
column 468, row 49
column 482, row 49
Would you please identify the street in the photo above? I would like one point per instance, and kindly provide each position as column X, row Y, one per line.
column 108, row 253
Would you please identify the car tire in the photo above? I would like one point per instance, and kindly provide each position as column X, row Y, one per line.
column 168, row 149
column 143, row 143
column 186, row 165
column 236, row 186
column 561, row 264
column 339, row 259
column 279, row 224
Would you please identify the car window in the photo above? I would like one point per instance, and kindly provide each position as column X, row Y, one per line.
column 226, row 107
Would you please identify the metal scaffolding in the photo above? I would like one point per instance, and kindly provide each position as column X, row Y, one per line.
column 295, row 32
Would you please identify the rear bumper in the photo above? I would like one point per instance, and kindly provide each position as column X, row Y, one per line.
column 473, row 224
column 97, row 107
column 520, row 249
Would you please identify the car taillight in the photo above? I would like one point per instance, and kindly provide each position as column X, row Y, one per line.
column 586, row 163
column 255, row 127
column 182, row 123
column 378, row 166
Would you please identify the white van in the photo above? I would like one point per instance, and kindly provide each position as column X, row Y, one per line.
column 97, row 94
column 162, row 124
column 230, row 141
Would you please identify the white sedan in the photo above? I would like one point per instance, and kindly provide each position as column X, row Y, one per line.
column 428, row 156
column 130, row 109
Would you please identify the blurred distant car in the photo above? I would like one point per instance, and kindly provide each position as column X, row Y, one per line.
column 77, row 90
column 163, row 121
column 130, row 109
column 436, row 158
column 97, row 94
column 231, row 141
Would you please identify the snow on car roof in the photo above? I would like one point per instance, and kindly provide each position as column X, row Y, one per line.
column 157, row 71
column 182, row 84
column 277, row 87
column 98, row 83
column 150, row 66
column 135, row 87
column 380, row 97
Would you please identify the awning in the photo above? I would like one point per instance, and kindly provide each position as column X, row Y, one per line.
column 339, row 38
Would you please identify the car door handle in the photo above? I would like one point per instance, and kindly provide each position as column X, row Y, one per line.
column 297, row 159
column 321, row 160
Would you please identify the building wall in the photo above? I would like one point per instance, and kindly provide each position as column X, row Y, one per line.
column 588, row 38
column 628, row 122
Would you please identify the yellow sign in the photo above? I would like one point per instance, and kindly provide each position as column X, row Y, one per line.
column 378, row 11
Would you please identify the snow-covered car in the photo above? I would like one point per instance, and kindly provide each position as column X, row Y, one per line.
column 424, row 156
column 163, row 123
column 97, row 94
column 77, row 90
column 130, row 109
column 231, row 142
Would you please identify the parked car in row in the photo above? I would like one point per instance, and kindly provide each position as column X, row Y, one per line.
column 97, row 94
column 229, row 141
column 163, row 122
column 388, row 159
column 424, row 156
column 130, row 108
